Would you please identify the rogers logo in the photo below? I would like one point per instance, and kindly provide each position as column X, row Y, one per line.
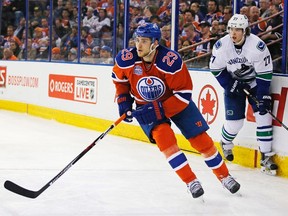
column 208, row 103
column 3, row 73
column 59, row 86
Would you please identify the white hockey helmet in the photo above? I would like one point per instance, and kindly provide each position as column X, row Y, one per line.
column 238, row 21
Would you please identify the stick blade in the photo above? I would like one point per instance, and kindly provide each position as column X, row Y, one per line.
column 11, row 186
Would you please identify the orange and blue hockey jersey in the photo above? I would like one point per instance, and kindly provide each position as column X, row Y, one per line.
column 166, row 79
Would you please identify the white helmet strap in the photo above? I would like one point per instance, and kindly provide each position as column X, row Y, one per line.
column 151, row 49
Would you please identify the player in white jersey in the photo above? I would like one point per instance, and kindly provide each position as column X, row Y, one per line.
column 241, row 60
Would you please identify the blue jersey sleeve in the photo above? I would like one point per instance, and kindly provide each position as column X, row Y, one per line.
column 166, row 58
column 127, row 58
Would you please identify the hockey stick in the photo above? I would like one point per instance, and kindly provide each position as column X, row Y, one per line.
column 33, row 194
column 269, row 111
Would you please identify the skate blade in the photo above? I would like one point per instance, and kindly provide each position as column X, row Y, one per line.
column 238, row 194
column 268, row 171
column 201, row 199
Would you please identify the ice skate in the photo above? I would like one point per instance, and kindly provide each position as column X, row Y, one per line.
column 195, row 188
column 267, row 165
column 227, row 150
column 230, row 184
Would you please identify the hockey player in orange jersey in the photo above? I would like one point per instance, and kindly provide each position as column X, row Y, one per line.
column 157, row 80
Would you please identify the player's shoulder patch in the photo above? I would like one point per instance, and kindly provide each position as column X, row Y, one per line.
column 261, row 46
column 168, row 60
column 218, row 44
column 126, row 57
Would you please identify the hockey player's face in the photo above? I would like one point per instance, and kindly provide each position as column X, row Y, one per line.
column 236, row 34
column 143, row 46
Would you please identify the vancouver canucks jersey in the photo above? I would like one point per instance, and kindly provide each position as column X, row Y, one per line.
column 249, row 63
column 166, row 79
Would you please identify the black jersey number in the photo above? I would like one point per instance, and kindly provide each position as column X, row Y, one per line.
column 170, row 58
column 267, row 60
column 212, row 59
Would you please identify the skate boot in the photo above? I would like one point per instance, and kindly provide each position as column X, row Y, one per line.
column 195, row 188
column 267, row 165
column 230, row 184
column 227, row 150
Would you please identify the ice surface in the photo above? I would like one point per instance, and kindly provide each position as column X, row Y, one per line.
column 118, row 176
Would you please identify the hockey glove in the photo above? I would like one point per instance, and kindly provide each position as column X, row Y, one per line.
column 150, row 113
column 125, row 102
column 264, row 104
column 235, row 87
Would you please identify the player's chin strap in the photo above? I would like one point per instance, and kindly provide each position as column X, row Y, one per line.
column 151, row 49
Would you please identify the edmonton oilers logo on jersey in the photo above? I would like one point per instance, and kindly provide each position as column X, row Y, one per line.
column 150, row 88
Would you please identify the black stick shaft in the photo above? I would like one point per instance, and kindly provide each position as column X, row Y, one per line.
column 269, row 111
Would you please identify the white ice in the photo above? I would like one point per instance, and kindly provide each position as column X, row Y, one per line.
column 118, row 176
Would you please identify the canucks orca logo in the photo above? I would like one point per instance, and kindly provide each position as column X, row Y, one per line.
column 150, row 88
column 261, row 46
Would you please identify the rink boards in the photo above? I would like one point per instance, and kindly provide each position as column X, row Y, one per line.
column 83, row 95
